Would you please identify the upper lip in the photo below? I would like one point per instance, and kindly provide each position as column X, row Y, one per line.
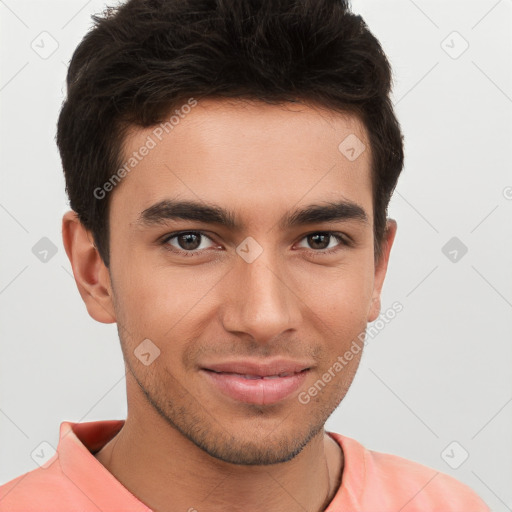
column 274, row 367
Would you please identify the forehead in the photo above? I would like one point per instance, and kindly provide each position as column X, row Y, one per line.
column 249, row 154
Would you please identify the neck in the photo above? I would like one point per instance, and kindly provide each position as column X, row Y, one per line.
column 169, row 473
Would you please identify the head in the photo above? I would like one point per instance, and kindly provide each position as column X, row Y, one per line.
column 262, row 132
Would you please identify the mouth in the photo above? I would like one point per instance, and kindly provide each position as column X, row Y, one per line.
column 255, row 377
column 259, row 384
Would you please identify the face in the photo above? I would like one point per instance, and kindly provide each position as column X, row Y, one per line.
column 247, row 302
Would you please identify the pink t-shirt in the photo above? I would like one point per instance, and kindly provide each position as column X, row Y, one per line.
column 74, row 481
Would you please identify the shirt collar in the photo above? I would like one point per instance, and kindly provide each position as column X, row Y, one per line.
column 79, row 441
column 88, row 474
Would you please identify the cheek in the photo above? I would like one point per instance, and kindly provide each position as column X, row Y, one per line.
column 156, row 299
column 340, row 295
column 338, row 307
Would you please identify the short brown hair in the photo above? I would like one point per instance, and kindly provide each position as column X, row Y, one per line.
column 145, row 58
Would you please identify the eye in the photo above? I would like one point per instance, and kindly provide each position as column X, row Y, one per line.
column 194, row 243
column 187, row 243
column 326, row 242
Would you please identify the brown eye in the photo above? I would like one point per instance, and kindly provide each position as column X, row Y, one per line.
column 319, row 240
column 324, row 242
column 191, row 242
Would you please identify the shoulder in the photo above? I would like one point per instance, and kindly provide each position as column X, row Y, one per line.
column 38, row 490
column 425, row 487
column 404, row 484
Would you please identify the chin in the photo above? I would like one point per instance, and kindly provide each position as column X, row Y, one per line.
column 245, row 450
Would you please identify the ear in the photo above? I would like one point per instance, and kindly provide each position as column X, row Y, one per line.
column 381, row 267
column 91, row 275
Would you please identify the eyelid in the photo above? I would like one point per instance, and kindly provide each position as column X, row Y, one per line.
column 174, row 234
column 164, row 241
column 343, row 239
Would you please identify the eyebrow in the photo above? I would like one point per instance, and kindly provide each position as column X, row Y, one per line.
column 169, row 209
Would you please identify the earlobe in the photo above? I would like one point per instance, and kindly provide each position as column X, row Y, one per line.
column 381, row 267
column 91, row 275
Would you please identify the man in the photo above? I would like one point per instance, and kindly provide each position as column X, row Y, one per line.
column 229, row 164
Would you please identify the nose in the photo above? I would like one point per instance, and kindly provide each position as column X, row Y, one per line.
column 260, row 299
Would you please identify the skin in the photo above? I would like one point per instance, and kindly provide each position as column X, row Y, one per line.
column 184, row 444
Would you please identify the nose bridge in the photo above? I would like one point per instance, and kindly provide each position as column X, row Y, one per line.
column 261, row 303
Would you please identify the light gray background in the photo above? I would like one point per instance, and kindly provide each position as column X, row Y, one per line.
column 439, row 372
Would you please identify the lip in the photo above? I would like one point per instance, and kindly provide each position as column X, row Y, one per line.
column 256, row 383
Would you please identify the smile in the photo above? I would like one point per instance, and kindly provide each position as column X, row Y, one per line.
column 256, row 384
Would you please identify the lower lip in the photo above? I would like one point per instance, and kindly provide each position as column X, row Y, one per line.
column 256, row 391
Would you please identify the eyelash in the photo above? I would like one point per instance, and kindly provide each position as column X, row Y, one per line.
column 341, row 238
